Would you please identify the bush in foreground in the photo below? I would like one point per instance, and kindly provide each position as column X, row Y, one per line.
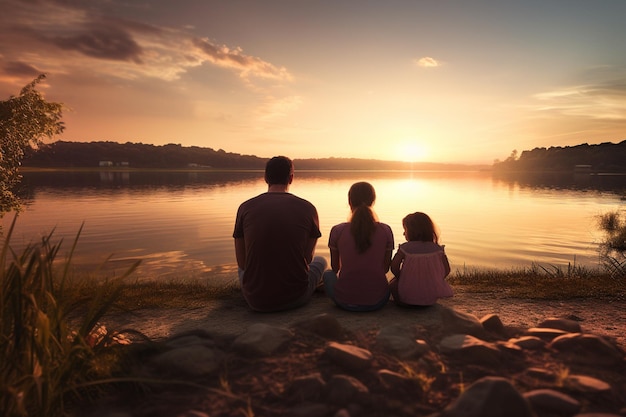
column 49, row 360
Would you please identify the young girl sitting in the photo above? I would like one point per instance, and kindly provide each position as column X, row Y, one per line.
column 420, row 265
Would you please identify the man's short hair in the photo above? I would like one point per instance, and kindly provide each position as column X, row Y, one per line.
column 278, row 170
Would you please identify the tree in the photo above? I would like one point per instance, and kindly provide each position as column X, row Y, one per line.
column 25, row 121
column 513, row 156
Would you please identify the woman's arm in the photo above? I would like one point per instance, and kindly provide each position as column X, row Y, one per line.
column 387, row 261
column 396, row 262
column 334, row 260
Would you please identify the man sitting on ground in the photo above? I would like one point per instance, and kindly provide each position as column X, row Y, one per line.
column 275, row 237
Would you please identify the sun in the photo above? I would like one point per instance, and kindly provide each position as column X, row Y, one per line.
column 411, row 151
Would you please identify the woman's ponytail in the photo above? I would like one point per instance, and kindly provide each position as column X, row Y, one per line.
column 363, row 221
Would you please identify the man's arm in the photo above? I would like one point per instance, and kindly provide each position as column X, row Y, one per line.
column 310, row 249
column 240, row 252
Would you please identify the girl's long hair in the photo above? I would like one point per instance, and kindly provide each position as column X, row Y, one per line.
column 363, row 220
column 420, row 227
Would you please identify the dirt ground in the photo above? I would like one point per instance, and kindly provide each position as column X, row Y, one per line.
column 232, row 316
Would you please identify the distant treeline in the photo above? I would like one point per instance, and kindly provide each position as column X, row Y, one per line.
column 64, row 154
column 605, row 158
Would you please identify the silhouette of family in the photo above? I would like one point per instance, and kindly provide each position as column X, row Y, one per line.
column 275, row 237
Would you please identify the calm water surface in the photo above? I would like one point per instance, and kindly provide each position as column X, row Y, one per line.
column 180, row 224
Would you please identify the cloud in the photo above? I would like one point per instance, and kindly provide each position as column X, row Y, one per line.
column 235, row 59
column 427, row 62
column 17, row 68
column 62, row 37
column 600, row 99
column 107, row 43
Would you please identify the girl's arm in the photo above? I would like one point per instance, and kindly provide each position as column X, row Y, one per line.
column 334, row 260
column 446, row 264
column 396, row 262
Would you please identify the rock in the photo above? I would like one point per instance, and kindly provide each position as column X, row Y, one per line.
column 588, row 384
column 542, row 374
column 509, row 347
column 404, row 347
column 193, row 360
column 456, row 322
column 349, row 356
column 324, row 325
column 551, row 402
column 528, row 342
column 401, row 343
column 344, row 389
column 190, row 339
column 308, row 387
column 569, row 326
column 391, row 379
column 493, row 324
column 587, row 349
column 489, row 397
column 471, row 349
column 545, row 333
column 262, row 339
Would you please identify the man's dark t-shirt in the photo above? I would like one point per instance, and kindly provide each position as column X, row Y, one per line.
column 276, row 228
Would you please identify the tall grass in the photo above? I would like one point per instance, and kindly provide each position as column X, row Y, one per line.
column 613, row 247
column 47, row 357
column 541, row 282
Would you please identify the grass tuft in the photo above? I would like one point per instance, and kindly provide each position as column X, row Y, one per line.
column 613, row 247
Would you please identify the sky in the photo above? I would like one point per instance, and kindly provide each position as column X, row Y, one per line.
column 457, row 81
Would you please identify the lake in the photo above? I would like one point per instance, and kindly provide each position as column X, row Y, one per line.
column 180, row 224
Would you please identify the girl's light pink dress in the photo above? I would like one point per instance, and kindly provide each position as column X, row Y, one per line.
column 422, row 278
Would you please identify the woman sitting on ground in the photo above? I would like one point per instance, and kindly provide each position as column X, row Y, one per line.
column 360, row 255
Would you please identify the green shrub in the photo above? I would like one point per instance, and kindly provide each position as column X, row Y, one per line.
column 48, row 357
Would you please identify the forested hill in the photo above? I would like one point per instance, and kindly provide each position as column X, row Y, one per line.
column 64, row 154
column 605, row 157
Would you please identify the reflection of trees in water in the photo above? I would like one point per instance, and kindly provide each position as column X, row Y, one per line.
column 565, row 180
column 134, row 179
column 139, row 179
column 115, row 177
column 176, row 180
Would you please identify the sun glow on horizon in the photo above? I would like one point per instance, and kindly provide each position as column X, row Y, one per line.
column 411, row 151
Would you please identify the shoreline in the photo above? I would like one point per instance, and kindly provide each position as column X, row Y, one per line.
column 231, row 316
